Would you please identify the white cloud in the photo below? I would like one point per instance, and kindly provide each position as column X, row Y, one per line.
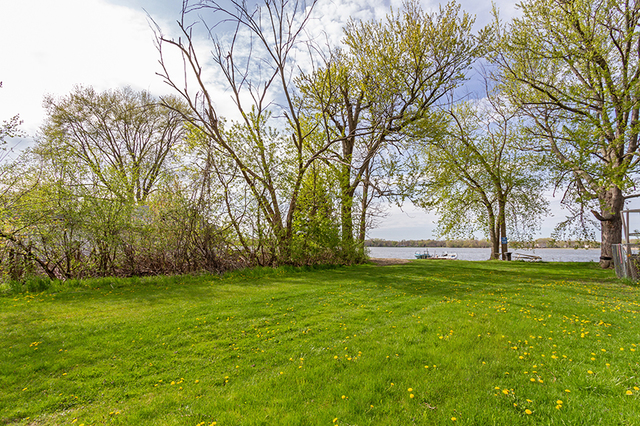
column 50, row 46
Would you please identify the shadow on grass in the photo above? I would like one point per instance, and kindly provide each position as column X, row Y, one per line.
column 422, row 277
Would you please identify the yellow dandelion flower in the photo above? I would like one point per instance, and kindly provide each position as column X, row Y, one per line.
column 567, row 390
column 505, row 391
column 636, row 388
column 629, row 392
column 335, row 420
column 527, row 411
column 410, row 390
column 590, row 372
column 558, row 407
column 453, row 419
column 343, row 396
column 559, row 402
column 532, row 379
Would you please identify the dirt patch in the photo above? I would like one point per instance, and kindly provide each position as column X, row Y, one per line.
column 387, row 261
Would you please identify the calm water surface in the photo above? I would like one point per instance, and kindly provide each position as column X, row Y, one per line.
column 547, row 254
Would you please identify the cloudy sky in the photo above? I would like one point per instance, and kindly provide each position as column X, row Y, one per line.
column 47, row 47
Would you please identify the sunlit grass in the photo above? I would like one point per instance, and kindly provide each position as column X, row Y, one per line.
column 425, row 343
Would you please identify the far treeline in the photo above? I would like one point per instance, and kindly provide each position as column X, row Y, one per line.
column 533, row 244
column 275, row 147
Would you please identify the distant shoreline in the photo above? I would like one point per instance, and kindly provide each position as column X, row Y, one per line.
column 510, row 248
column 540, row 243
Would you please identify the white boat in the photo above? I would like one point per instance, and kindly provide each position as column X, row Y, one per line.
column 445, row 255
column 527, row 257
column 435, row 256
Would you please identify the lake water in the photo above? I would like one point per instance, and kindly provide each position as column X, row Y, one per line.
column 547, row 254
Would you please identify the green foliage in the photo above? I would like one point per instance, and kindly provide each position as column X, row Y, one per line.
column 316, row 226
column 574, row 69
column 124, row 139
column 387, row 74
column 477, row 177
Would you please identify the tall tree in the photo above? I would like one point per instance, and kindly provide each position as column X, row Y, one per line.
column 574, row 68
column 269, row 144
column 123, row 137
column 388, row 74
column 477, row 178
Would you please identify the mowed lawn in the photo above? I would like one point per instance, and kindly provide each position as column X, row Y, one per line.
column 426, row 343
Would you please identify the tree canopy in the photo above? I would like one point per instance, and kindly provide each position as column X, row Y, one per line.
column 573, row 66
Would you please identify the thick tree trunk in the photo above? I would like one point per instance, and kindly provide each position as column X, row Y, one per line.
column 502, row 224
column 363, row 217
column 612, row 202
column 346, row 195
column 494, row 234
column 346, row 216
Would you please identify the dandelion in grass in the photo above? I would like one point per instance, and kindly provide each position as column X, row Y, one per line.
column 629, row 392
column 527, row 411
column 453, row 419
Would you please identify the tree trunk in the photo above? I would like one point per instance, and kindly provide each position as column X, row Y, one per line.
column 346, row 216
column 612, row 202
column 363, row 217
column 346, row 195
column 494, row 234
column 502, row 223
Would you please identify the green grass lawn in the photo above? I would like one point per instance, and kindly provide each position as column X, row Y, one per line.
column 447, row 342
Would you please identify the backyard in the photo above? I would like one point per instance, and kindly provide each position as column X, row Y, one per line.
column 428, row 342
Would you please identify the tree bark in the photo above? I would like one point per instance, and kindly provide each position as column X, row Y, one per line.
column 502, row 224
column 494, row 234
column 612, row 202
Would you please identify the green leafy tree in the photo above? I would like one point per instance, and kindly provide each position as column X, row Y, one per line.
column 125, row 139
column 573, row 66
column 477, row 178
column 387, row 75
